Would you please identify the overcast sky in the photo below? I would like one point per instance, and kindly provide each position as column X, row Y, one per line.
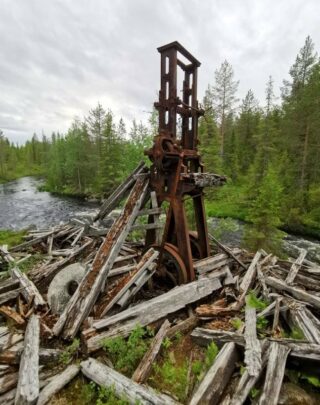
column 58, row 58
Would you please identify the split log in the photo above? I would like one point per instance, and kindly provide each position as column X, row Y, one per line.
column 11, row 314
column 252, row 355
column 57, row 383
column 143, row 370
column 28, row 383
column 247, row 382
column 119, row 193
column 294, row 291
column 144, row 270
column 93, row 282
column 123, row 386
column 30, row 291
column 150, row 311
column 274, row 375
column 217, row 378
column 296, row 267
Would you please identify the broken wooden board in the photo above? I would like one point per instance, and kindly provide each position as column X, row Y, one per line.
column 28, row 383
column 30, row 291
column 84, row 298
column 211, row 388
column 123, row 386
column 296, row 267
column 149, row 311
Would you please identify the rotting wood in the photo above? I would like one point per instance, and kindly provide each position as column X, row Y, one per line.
column 183, row 326
column 150, row 311
column 8, row 381
column 143, row 266
column 217, row 377
column 248, row 279
column 88, row 290
column 57, row 383
column 227, row 251
column 294, row 291
column 29, row 289
column 213, row 262
column 252, row 355
column 10, row 295
column 305, row 321
column 10, row 313
column 296, row 267
column 143, row 370
column 9, row 285
column 28, row 383
column 46, row 356
column 123, row 386
column 119, row 193
column 274, row 375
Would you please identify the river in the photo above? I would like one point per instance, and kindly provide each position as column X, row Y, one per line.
column 23, row 206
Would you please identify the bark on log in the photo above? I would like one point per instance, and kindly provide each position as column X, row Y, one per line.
column 274, row 375
column 143, row 370
column 123, row 386
column 93, row 282
column 217, row 378
column 149, row 311
column 28, row 383
column 57, row 383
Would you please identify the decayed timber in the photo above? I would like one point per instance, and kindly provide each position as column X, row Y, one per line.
column 10, row 313
column 213, row 262
column 10, row 295
column 183, row 327
column 205, row 179
column 9, row 285
column 149, row 311
column 274, row 375
column 294, row 291
column 143, row 370
column 227, row 251
column 247, row 382
column 30, row 291
column 28, row 383
column 217, row 378
column 119, row 193
column 252, row 355
column 32, row 242
column 13, row 355
column 296, row 267
column 88, row 290
column 142, row 267
column 304, row 320
column 123, row 386
column 7, row 382
column 57, row 383
column 249, row 278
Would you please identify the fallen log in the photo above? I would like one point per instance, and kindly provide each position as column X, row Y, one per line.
column 150, row 311
column 12, row 356
column 183, row 326
column 93, row 282
column 143, row 370
column 294, row 291
column 217, row 378
column 123, row 386
column 28, row 383
column 248, row 278
column 275, row 372
column 57, row 383
column 296, row 267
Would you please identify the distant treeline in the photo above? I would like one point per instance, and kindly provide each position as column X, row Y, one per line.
column 270, row 153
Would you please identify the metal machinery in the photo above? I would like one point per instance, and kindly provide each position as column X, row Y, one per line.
column 176, row 163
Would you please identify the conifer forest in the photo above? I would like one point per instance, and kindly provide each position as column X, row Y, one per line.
column 270, row 151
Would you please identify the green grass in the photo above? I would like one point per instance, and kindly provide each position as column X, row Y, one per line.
column 11, row 238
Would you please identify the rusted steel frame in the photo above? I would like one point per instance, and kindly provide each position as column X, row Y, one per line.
column 201, row 223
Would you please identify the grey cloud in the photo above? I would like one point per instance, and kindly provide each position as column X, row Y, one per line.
column 59, row 58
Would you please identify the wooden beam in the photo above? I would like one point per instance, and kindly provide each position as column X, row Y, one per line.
column 252, row 354
column 296, row 267
column 30, row 291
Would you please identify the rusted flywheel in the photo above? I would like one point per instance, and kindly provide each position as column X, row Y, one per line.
column 172, row 267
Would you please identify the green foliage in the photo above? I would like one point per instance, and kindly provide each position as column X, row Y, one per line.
column 172, row 377
column 311, row 379
column 262, row 324
column 225, row 225
column 126, row 354
column 296, row 333
column 211, row 354
column 31, row 262
column 11, row 238
column 70, row 352
column 197, row 369
column 236, row 323
column 254, row 302
column 166, row 343
column 296, row 376
column 94, row 394
column 254, row 392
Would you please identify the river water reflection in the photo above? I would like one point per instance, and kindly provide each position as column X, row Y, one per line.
column 22, row 205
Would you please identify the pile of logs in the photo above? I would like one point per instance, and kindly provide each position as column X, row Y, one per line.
column 112, row 298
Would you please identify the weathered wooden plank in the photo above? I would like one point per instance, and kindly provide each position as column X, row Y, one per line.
column 213, row 262
column 13, row 355
column 296, row 267
column 57, row 383
column 249, row 277
column 183, row 326
column 304, row 320
column 8, row 381
column 93, row 282
column 143, row 266
column 123, row 386
column 30, row 291
column 298, row 293
column 149, row 311
column 227, row 251
column 252, row 355
column 217, row 378
column 8, row 285
column 119, row 193
column 143, row 370
column 274, row 375
column 28, row 383
column 10, row 295
column 11, row 314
